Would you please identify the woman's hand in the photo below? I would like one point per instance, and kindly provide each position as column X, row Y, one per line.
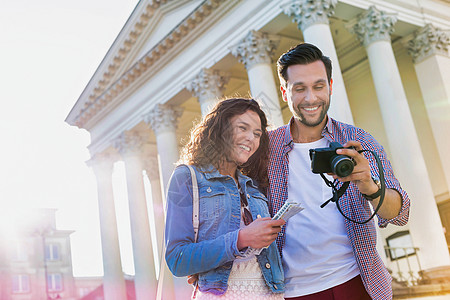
column 260, row 233
column 192, row 279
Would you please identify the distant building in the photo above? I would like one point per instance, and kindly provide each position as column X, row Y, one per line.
column 36, row 256
column 86, row 285
column 98, row 294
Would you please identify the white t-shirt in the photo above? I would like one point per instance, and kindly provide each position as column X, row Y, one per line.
column 317, row 254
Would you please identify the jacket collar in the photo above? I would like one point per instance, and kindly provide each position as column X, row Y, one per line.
column 210, row 172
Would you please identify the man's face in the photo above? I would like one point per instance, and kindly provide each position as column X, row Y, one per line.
column 307, row 93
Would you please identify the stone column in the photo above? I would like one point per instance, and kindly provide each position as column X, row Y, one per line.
column 373, row 29
column 255, row 51
column 152, row 170
column 312, row 20
column 429, row 49
column 163, row 273
column 208, row 87
column 113, row 280
column 163, row 121
column 129, row 144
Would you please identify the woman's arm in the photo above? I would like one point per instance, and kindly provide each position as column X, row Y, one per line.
column 183, row 256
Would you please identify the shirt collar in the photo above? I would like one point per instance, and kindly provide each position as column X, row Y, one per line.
column 327, row 131
column 288, row 139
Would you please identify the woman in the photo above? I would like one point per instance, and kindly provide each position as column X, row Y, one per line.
column 229, row 153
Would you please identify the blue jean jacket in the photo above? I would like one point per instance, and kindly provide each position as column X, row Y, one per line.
column 216, row 248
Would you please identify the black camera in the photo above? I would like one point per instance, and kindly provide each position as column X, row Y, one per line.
column 325, row 160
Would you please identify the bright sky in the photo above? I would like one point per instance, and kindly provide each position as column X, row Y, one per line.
column 49, row 51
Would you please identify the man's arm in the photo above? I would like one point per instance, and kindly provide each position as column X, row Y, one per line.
column 392, row 202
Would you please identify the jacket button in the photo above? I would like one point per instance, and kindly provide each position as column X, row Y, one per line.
column 267, row 266
column 209, row 190
column 275, row 287
column 248, row 196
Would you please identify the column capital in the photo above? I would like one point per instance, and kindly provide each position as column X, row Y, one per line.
column 255, row 48
column 307, row 13
column 163, row 118
column 428, row 41
column 130, row 143
column 207, row 84
column 374, row 25
column 103, row 162
column 151, row 167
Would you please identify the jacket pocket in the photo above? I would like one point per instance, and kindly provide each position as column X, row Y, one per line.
column 213, row 203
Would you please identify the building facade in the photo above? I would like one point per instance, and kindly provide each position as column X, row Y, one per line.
column 36, row 261
column 174, row 59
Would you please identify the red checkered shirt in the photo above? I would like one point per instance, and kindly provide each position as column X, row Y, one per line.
column 374, row 274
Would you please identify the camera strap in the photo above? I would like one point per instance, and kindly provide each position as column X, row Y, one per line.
column 337, row 193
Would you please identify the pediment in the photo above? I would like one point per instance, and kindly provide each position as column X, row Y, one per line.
column 163, row 21
column 150, row 22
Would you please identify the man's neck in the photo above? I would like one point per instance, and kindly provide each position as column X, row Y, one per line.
column 306, row 134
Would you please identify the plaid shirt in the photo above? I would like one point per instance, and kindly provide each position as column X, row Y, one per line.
column 362, row 236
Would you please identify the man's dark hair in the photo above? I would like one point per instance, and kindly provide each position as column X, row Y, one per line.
column 301, row 54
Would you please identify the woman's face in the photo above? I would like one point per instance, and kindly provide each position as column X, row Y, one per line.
column 246, row 136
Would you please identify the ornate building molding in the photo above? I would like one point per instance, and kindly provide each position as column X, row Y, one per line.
column 102, row 162
column 130, row 143
column 374, row 25
column 255, row 48
column 129, row 41
column 151, row 167
column 102, row 96
column 208, row 83
column 428, row 41
column 163, row 118
column 309, row 12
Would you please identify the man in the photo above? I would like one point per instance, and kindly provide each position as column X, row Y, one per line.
column 325, row 255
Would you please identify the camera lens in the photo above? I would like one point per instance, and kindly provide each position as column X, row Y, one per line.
column 342, row 165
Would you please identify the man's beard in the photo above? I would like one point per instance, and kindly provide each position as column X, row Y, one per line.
column 313, row 123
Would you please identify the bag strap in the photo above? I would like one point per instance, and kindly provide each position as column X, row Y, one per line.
column 195, row 212
column 195, row 223
column 195, row 202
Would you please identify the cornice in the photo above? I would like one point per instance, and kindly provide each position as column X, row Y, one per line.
column 146, row 32
column 101, row 96
column 141, row 16
column 411, row 12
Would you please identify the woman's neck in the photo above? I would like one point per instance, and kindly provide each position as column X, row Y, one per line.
column 228, row 168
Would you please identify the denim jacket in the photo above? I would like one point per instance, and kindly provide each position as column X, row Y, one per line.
column 220, row 216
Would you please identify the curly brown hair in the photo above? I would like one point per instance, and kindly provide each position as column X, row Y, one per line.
column 210, row 140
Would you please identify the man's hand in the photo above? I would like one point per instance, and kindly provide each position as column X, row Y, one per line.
column 362, row 177
column 260, row 233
